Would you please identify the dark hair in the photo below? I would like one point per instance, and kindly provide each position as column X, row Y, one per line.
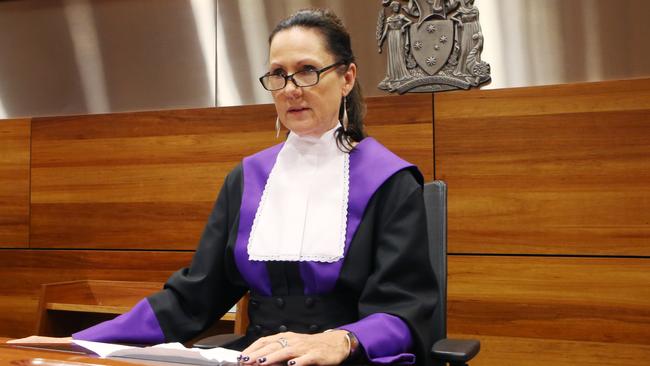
column 337, row 42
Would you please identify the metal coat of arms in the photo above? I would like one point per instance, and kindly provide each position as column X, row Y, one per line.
column 433, row 45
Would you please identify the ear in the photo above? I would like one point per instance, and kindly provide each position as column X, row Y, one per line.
column 350, row 77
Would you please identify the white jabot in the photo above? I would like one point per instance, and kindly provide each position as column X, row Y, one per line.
column 302, row 215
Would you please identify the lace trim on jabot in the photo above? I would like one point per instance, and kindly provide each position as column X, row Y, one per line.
column 344, row 204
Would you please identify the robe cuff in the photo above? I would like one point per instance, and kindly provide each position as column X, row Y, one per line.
column 385, row 338
column 139, row 325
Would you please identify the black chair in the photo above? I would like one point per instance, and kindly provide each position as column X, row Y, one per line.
column 456, row 352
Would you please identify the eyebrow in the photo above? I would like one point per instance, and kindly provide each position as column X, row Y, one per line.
column 306, row 61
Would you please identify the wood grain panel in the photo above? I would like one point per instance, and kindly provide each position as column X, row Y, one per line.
column 11, row 354
column 14, row 183
column 137, row 180
column 108, row 225
column 500, row 351
column 209, row 121
column 563, row 298
column 404, row 125
column 23, row 272
column 148, row 180
column 570, row 174
column 606, row 96
column 410, row 142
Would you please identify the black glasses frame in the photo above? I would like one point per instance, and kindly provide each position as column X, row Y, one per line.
column 290, row 77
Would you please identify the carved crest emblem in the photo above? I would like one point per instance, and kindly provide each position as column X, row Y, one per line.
column 432, row 45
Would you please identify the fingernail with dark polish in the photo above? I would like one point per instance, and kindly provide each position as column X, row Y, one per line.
column 239, row 357
column 292, row 362
column 245, row 358
column 261, row 360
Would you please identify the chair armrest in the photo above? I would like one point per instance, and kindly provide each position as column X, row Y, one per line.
column 455, row 350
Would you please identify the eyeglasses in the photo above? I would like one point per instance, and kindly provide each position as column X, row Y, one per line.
column 302, row 78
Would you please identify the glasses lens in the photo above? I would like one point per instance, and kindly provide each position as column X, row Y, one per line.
column 274, row 82
column 306, row 78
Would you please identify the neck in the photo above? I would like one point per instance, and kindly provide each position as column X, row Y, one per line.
column 317, row 134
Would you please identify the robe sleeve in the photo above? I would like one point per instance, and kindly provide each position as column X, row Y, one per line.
column 397, row 301
column 193, row 298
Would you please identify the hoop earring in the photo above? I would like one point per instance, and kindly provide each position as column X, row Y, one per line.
column 277, row 127
column 345, row 121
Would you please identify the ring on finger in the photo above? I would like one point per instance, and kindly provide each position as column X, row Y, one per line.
column 283, row 342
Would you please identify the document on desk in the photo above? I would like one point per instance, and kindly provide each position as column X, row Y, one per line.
column 166, row 352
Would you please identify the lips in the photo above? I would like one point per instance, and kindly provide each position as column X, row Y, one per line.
column 297, row 109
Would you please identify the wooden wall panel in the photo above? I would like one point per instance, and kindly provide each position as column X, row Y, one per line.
column 23, row 271
column 581, row 299
column 500, row 351
column 562, row 309
column 148, row 180
column 404, row 125
column 14, row 183
column 606, row 96
column 138, row 180
column 547, row 170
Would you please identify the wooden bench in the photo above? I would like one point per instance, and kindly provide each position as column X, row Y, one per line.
column 67, row 307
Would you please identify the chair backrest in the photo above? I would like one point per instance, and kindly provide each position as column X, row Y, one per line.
column 435, row 202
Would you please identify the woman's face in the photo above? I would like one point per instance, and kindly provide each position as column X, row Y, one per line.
column 312, row 110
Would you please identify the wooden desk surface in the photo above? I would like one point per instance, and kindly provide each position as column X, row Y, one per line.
column 13, row 355
column 22, row 355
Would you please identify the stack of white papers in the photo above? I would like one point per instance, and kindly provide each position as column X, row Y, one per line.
column 166, row 352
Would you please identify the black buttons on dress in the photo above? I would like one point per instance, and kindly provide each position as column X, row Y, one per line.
column 313, row 328
column 257, row 329
column 309, row 302
column 282, row 328
column 254, row 303
column 279, row 302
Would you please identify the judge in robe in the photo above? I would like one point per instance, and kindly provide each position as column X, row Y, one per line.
column 326, row 230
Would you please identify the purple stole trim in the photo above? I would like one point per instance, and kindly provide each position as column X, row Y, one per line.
column 371, row 164
column 256, row 171
column 139, row 325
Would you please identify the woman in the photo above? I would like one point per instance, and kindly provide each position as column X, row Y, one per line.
column 327, row 230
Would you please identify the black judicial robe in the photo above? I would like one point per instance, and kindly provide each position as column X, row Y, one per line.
column 384, row 276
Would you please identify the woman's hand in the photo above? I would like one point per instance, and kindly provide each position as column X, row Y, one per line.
column 330, row 348
column 40, row 339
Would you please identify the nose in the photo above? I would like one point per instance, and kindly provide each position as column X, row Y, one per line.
column 291, row 89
